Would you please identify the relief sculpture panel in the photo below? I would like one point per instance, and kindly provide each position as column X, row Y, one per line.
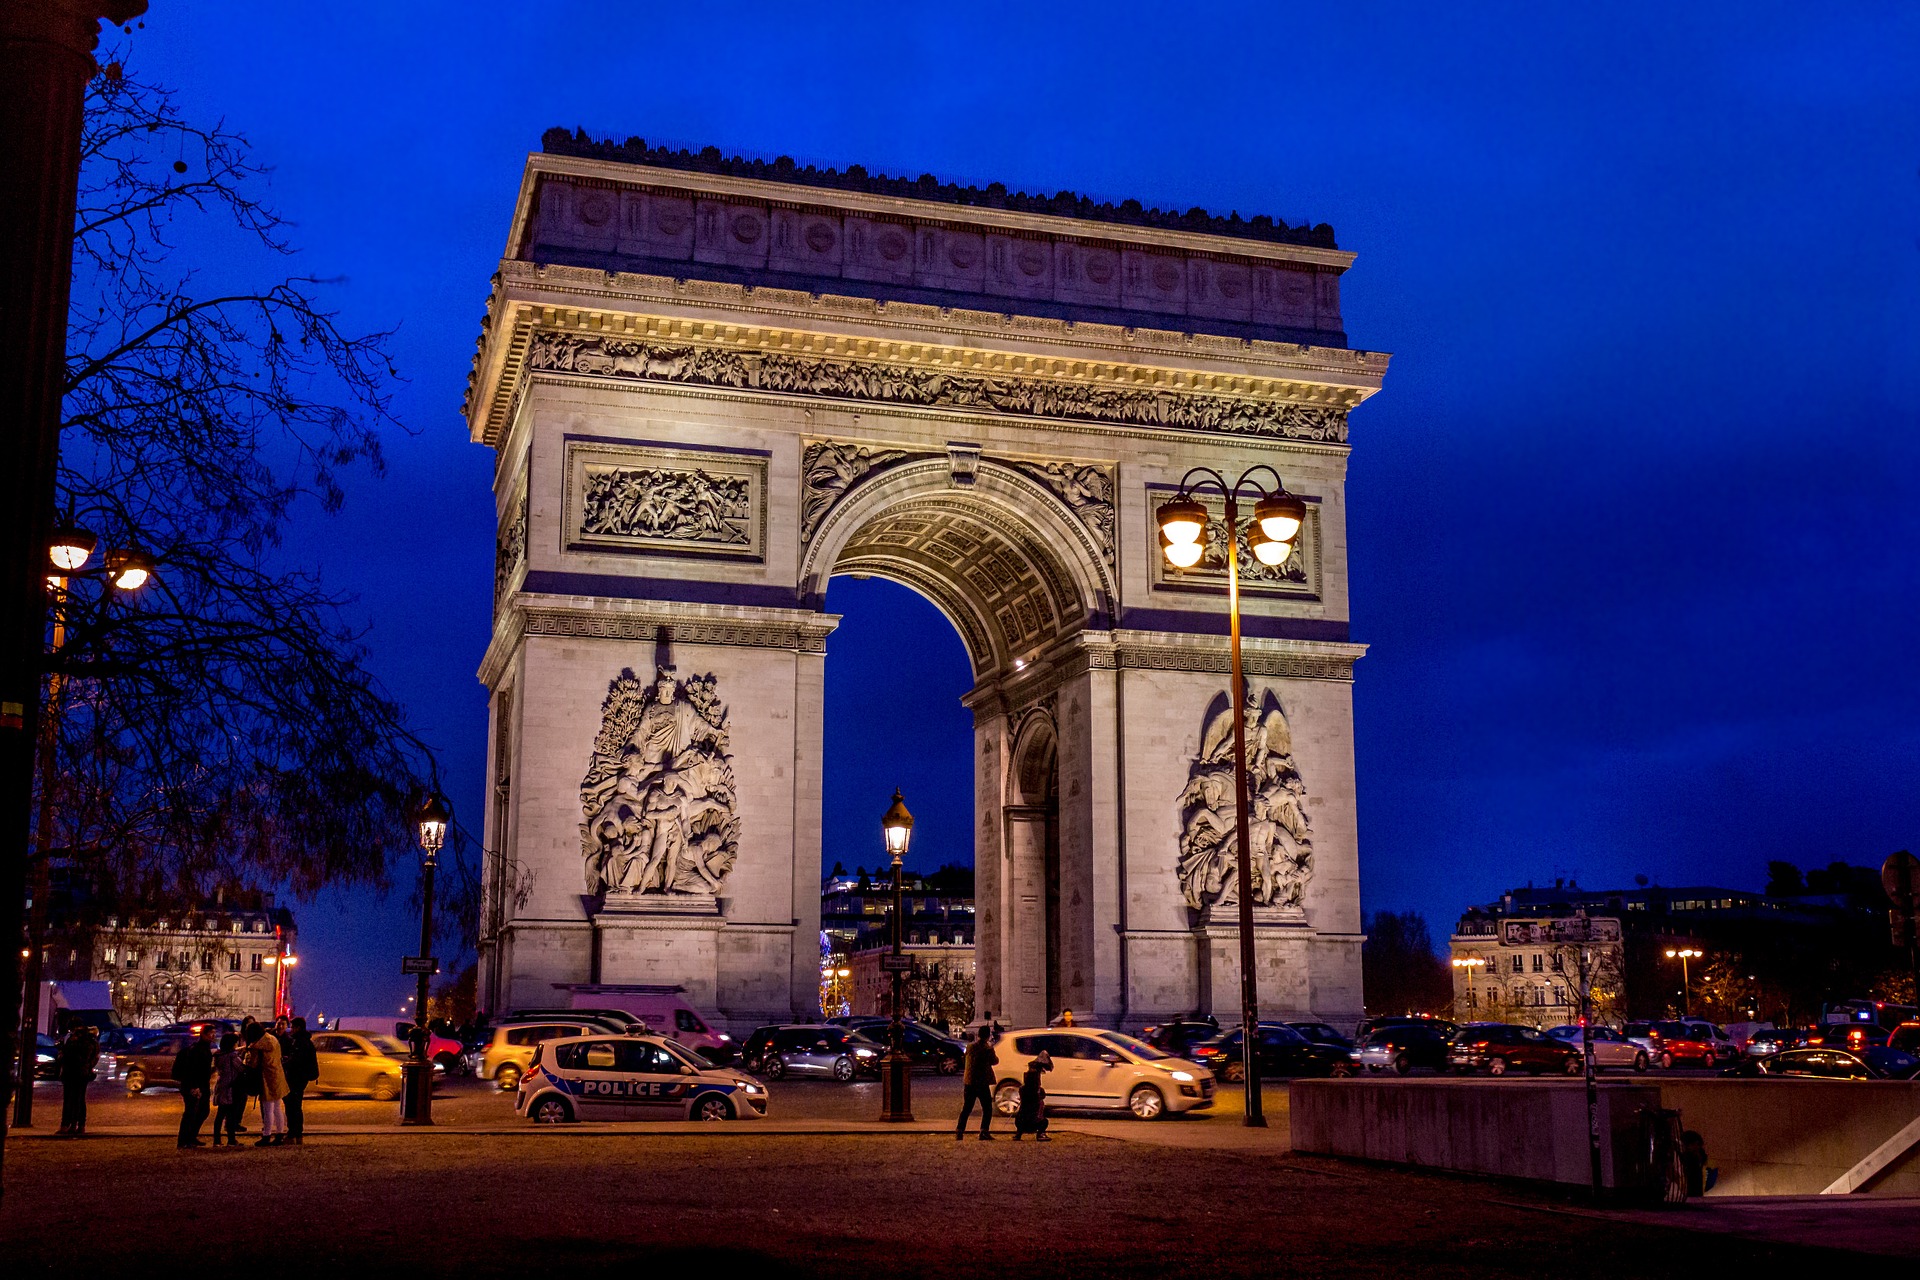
column 674, row 500
column 828, row 470
column 658, row 796
column 1279, row 834
column 1087, row 489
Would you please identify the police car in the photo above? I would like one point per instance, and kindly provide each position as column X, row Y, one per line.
column 631, row 1077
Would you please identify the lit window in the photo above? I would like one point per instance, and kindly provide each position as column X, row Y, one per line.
column 1539, row 963
column 256, row 961
column 108, row 956
column 1519, row 963
column 233, row 962
column 235, row 926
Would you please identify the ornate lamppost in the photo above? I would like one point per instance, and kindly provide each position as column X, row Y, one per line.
column 1469, row 963
column 896, row 1069
column 1277, row 516
column 416, row 1084
column 1684, row 954
column 69, row 549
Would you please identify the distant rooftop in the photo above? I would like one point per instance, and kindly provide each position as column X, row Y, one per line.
column 1064, row 204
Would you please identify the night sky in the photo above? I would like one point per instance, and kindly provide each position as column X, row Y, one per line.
column 1633, row 521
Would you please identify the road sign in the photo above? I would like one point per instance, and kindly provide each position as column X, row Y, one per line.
column 410, row 965
column 891, row 963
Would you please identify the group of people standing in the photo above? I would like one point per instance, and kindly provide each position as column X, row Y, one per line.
column 274, row 1064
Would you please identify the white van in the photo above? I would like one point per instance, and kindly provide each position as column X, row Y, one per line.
column 663, row 1008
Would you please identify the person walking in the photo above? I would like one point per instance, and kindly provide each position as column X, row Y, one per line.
column 978, row 1078
column 1032, row 1116
column 303, row 1068
column 79, row 1054
column 228, row 1100
column 193, row 1072
column 265, row 1051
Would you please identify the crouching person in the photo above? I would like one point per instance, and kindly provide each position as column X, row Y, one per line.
column 1032, row 1116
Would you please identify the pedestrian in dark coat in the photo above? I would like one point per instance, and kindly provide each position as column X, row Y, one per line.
column 79, row 1054
column 302, row 1066
column 978, row 1078
column 227, row 1098
column 193, row 1072
column 1032, row 1116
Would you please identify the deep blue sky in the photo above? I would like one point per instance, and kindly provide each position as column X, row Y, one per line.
column 1633, row 522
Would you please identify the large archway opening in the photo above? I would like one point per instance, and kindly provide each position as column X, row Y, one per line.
column 1000, row 561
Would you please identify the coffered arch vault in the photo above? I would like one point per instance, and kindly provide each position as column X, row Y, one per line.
column 1001, row 556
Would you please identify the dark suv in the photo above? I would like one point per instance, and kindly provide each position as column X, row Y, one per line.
column 928, row 1049
column 811, row 1050
column 1500, row 1048
column 1180, row 1035
column 1402, row 1047
column 1279, row 1050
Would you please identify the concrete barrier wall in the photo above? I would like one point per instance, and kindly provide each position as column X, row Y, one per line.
column 1795, row 1137
column 1510, row 1128
column 1766, row 1137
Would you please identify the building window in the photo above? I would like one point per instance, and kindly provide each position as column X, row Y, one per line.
column 233, row 962
column 256, row 961
column 1559, row 962
column 206, row 962
column 160, row 960
column 235, row 926
column 1519, row 963
column 1539, row 963
column 107, row 956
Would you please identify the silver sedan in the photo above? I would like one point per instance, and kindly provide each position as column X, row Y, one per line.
column 1610, row 1048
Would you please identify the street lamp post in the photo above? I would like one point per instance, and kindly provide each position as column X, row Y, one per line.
column 1277, row 517
column 1469, row 963
column 416, row 1083
column 69, row 548
column 896, row 1069
column 1684, row 954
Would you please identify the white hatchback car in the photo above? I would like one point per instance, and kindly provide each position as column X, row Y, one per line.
column 1102, row 1070
column 629, row 1077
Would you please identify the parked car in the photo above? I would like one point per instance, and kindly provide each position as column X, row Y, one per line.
column 1610, row 1047
column 1370, row 1025
column 360, row 1062
column 1499, row 1048
column 1402, row 1047
column 1905, row 1037
column 632, row 1077
column 1100, row 1070
column 1853, row 1036
column 1873, row 1063
column 659, row 1010
column 1279, row 1050
column 1678, row 1041
column 149, row 1064
column 1178, row 1036
column 46, row 1057
column 1321, row 1033
column 510, row 1047
column 1765, row 1044
column 811, row 1049
column 929, row 1049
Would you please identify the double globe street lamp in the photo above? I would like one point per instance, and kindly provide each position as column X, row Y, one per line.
column 416, row 1073
column 1277, row 517
column 1684, row 954
column 896, row 1069
column 123, row 571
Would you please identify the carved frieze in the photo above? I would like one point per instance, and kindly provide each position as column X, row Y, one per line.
column 658, row 797
column 1087, row 489
column 628, row 497
column 865, row 380
column 828, row 469
column 509, row 550
column 1279, row 834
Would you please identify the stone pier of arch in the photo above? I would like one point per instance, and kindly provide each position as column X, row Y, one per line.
column 708, row 392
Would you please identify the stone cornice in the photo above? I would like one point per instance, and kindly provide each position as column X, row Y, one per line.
column 540, row 615
column 620, row 173
column 1281, row 399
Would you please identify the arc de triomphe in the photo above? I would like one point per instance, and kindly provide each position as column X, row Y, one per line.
column 711, row 385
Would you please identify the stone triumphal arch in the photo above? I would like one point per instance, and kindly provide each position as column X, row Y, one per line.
column 712, row 385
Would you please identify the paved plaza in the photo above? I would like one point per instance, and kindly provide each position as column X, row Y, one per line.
column 824, row 1190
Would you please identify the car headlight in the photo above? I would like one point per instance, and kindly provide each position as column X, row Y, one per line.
column 749, row 1086
column 724, row 1036
column 1184, row 1076
column 863, row 1053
